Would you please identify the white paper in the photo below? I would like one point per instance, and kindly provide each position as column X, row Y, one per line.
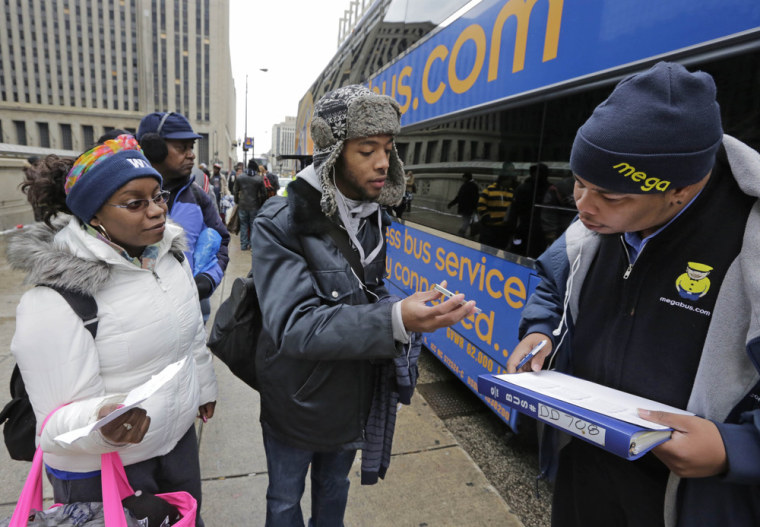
column 592, row 396
column 133, row 399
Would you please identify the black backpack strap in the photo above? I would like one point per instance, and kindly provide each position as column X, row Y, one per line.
column 340, row 237
column 84, row 306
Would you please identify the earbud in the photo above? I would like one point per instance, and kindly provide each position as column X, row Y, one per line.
column 557, row 331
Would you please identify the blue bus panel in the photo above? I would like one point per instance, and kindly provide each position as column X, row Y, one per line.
column 417, row 259
column 500, row 49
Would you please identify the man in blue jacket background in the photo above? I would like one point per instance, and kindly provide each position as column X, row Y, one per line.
column 167, row 140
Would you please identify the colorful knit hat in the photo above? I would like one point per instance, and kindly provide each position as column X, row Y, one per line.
column 658, row 130
column 347, row 113
column 101, row 171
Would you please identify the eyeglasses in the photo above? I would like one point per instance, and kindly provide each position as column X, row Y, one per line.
column 137, row 205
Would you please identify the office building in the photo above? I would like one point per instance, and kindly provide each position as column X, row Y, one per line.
column 283, row 143
column 71, row 70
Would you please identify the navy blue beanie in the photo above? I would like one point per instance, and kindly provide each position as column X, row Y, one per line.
column 658, row 130
column 103, row 170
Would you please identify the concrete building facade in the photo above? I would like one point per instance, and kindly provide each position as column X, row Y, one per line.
column 71, row 70
column 283, row 143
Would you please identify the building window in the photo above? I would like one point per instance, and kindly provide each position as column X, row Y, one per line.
column 20, row 132
column 44, row 132
column 66, row 140
column 402, row 149
column 445, row 150
column 430, row 151
column 203, row 149
column 88, row 134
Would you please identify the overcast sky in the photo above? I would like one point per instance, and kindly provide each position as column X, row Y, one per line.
column 294, row 40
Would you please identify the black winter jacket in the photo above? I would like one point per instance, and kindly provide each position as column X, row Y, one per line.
column 319, row 330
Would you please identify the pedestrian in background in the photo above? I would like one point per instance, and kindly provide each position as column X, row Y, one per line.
column 493, row 207
column 524, row 219
column 466, row 201
column 247, row 193
column 105, row 234
column 561, row 208
column 411, row 190
column 218, row 183
column 329, row 325
column 273, row 180
column 655, row 291
column 167, row 139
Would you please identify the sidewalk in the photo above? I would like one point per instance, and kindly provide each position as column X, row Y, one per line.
column 431, row 480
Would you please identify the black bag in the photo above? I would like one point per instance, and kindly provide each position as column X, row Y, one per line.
column 236, row 330
column 18, row 415
column 238, row 322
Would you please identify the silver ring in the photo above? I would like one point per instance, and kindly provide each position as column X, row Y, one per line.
column 127, row 426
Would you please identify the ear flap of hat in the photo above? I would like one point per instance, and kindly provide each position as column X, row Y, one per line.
column 394, row 188
column 321, row 133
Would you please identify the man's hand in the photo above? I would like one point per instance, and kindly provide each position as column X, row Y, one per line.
column 695, row 450
column 130, row 427
column 422, row 318
column 524, row 347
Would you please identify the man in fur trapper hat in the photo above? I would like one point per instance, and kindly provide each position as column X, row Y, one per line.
column 325, row 358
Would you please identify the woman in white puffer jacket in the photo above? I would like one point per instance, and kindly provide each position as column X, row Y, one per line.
column 119, row 248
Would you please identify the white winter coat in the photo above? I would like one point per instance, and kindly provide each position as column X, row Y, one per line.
column 147, row 320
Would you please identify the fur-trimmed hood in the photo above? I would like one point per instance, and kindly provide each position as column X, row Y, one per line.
column 73, row 259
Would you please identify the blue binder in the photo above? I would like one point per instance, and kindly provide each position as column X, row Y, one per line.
column 627, row 440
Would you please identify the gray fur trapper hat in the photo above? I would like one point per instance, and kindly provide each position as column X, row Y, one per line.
column 347, row 113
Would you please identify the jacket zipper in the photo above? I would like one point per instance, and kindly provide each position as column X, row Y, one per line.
column 629, row 269
column 158, row 280
column 627, row 272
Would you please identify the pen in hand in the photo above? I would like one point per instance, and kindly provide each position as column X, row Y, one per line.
column 532, row 353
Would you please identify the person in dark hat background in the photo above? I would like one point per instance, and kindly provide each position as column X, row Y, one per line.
column 167, row 140
column 659, row 188
column 331, row 331
column 247, row 191
column 466, row 201
column 524, row 219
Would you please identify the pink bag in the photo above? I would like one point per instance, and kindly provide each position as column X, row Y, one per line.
column 115, row 488
column 31, row 494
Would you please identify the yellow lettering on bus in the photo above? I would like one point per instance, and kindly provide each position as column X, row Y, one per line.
column 495, row 293
column 478, row 36
column 521, row 10
column 404, row 90
column 514, row 292
column 431, row 97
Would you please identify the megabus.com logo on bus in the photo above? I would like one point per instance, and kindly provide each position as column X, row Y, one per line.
column 467, row 63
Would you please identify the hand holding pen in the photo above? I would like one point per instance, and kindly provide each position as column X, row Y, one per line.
column 536, row 344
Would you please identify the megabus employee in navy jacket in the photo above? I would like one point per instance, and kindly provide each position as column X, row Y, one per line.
column 656, row 291
column 167, row 140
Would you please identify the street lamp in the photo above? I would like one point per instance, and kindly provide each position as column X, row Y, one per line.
column 245, row 131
